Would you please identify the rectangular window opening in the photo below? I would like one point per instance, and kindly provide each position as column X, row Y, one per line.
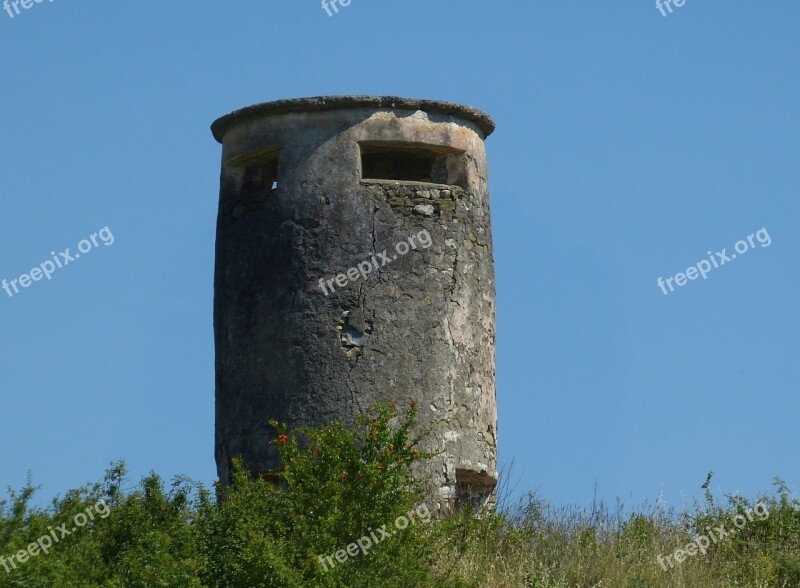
column 260, row 170
column 413, row 162
column 261, row 177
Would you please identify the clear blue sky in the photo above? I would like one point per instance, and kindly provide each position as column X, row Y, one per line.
column 628, row 145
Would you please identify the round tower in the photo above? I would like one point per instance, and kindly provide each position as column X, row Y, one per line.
column 353, row 264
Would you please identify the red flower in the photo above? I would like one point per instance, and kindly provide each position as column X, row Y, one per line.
column 283, row 439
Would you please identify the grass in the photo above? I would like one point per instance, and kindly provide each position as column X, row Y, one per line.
column 532, row 544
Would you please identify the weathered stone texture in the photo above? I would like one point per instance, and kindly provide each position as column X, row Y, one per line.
column 422, row 327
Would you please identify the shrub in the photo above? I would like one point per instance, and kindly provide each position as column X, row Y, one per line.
column 338, row 484
column 335, row 485
column 142, row 538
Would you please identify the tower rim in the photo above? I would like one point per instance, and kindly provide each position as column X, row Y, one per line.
column 326, row 103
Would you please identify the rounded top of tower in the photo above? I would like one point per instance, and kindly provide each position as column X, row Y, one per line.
column 322, row 103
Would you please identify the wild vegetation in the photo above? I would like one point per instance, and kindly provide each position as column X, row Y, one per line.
column 337, row 485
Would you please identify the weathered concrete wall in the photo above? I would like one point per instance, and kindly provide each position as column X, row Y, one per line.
column 422, row 327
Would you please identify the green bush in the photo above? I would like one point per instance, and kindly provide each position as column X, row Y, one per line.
column 763, row 542
column 136, row 539
column 338, row 484
column 335, row 486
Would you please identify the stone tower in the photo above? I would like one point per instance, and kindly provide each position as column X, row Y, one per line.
column 354, row 263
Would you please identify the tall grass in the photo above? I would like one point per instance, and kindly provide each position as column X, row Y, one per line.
column 532, row 544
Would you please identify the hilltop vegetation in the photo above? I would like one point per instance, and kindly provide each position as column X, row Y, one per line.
column 344, row 511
